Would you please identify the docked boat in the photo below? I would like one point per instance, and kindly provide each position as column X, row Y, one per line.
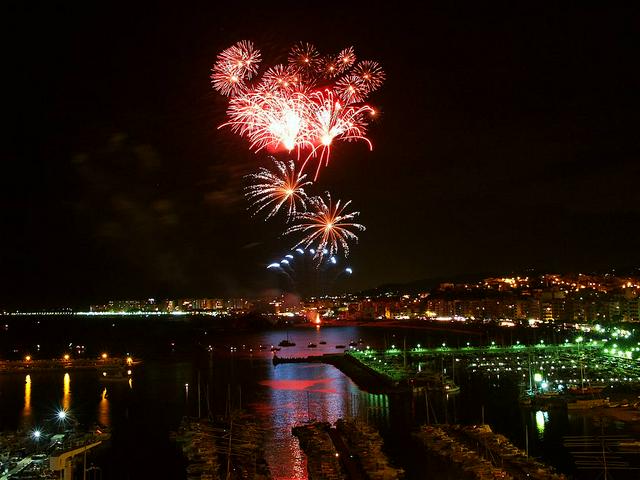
column 286, row 342
column 449, row 387
column 341, row 346
column 322, row 342
column 630, row 446
column 312, row 345
column 524, row 399
column 353, row 344
column 115, row 374
column 590, row 390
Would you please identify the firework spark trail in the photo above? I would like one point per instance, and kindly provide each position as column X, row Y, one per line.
column 326, row 226
column 332, row 121
column 274, row 189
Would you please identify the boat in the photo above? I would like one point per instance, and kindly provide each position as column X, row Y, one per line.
column 341, row 346
column 286, row 342
column 448, row 386
column 591, row 390
column 322, row 342
column 632, row 446
column 524, row 400
column 275, row 349
column 353, row 344
column 115, row 374
column 312, row 345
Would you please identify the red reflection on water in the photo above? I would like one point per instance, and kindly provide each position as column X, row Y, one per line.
column 294, row 384
column 323, row 390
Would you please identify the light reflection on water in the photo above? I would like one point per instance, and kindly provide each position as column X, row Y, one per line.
column 66, row 392
column 26, row 411
column 104, row 416
column 299, row 393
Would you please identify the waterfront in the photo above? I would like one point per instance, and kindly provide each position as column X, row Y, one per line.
column 238, row 372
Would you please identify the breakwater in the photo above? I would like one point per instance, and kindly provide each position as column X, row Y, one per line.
column 32, row 365
column 362, row 374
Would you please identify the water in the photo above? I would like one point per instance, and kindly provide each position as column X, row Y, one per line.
column 239, row 373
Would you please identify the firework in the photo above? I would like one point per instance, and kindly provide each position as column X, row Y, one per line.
column 280, row 77
column 351, row 89
column 304, row 106
column 234, row 66
column 273, row 120
column 226, row 81
column 346, row 59
column 326, row 226
column 241, row 58
column 370, row 74
column 330, row 121
column 304, row 56
column 284, row 110
column 328, row 67
column 277, row 188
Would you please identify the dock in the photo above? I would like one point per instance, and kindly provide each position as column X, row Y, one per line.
column 362, row 374
column 349, row 450
column 481, row 454
column 48, row 365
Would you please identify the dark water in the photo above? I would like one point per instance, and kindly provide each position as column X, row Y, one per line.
column 142, row 414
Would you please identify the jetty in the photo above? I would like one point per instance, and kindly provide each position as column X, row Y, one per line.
column 367, row 378
column 29, row 364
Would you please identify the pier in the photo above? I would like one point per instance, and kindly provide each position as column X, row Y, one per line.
column 34, row 365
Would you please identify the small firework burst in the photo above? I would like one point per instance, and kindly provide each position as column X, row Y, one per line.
column 326, row 227
column 350, row 89
column 241, row 58
column 273, row 189
column 371, row 75
column 346, row 59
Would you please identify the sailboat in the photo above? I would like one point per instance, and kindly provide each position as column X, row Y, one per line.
column 525, row 396
column 588, row 390
column 287, row 342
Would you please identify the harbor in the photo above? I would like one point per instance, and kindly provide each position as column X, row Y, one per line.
column 302, row 385
column 36, row 454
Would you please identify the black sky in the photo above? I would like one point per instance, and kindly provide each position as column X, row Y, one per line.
column 507, row 141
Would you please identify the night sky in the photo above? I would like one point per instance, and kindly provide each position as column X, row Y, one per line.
column 507, row 140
